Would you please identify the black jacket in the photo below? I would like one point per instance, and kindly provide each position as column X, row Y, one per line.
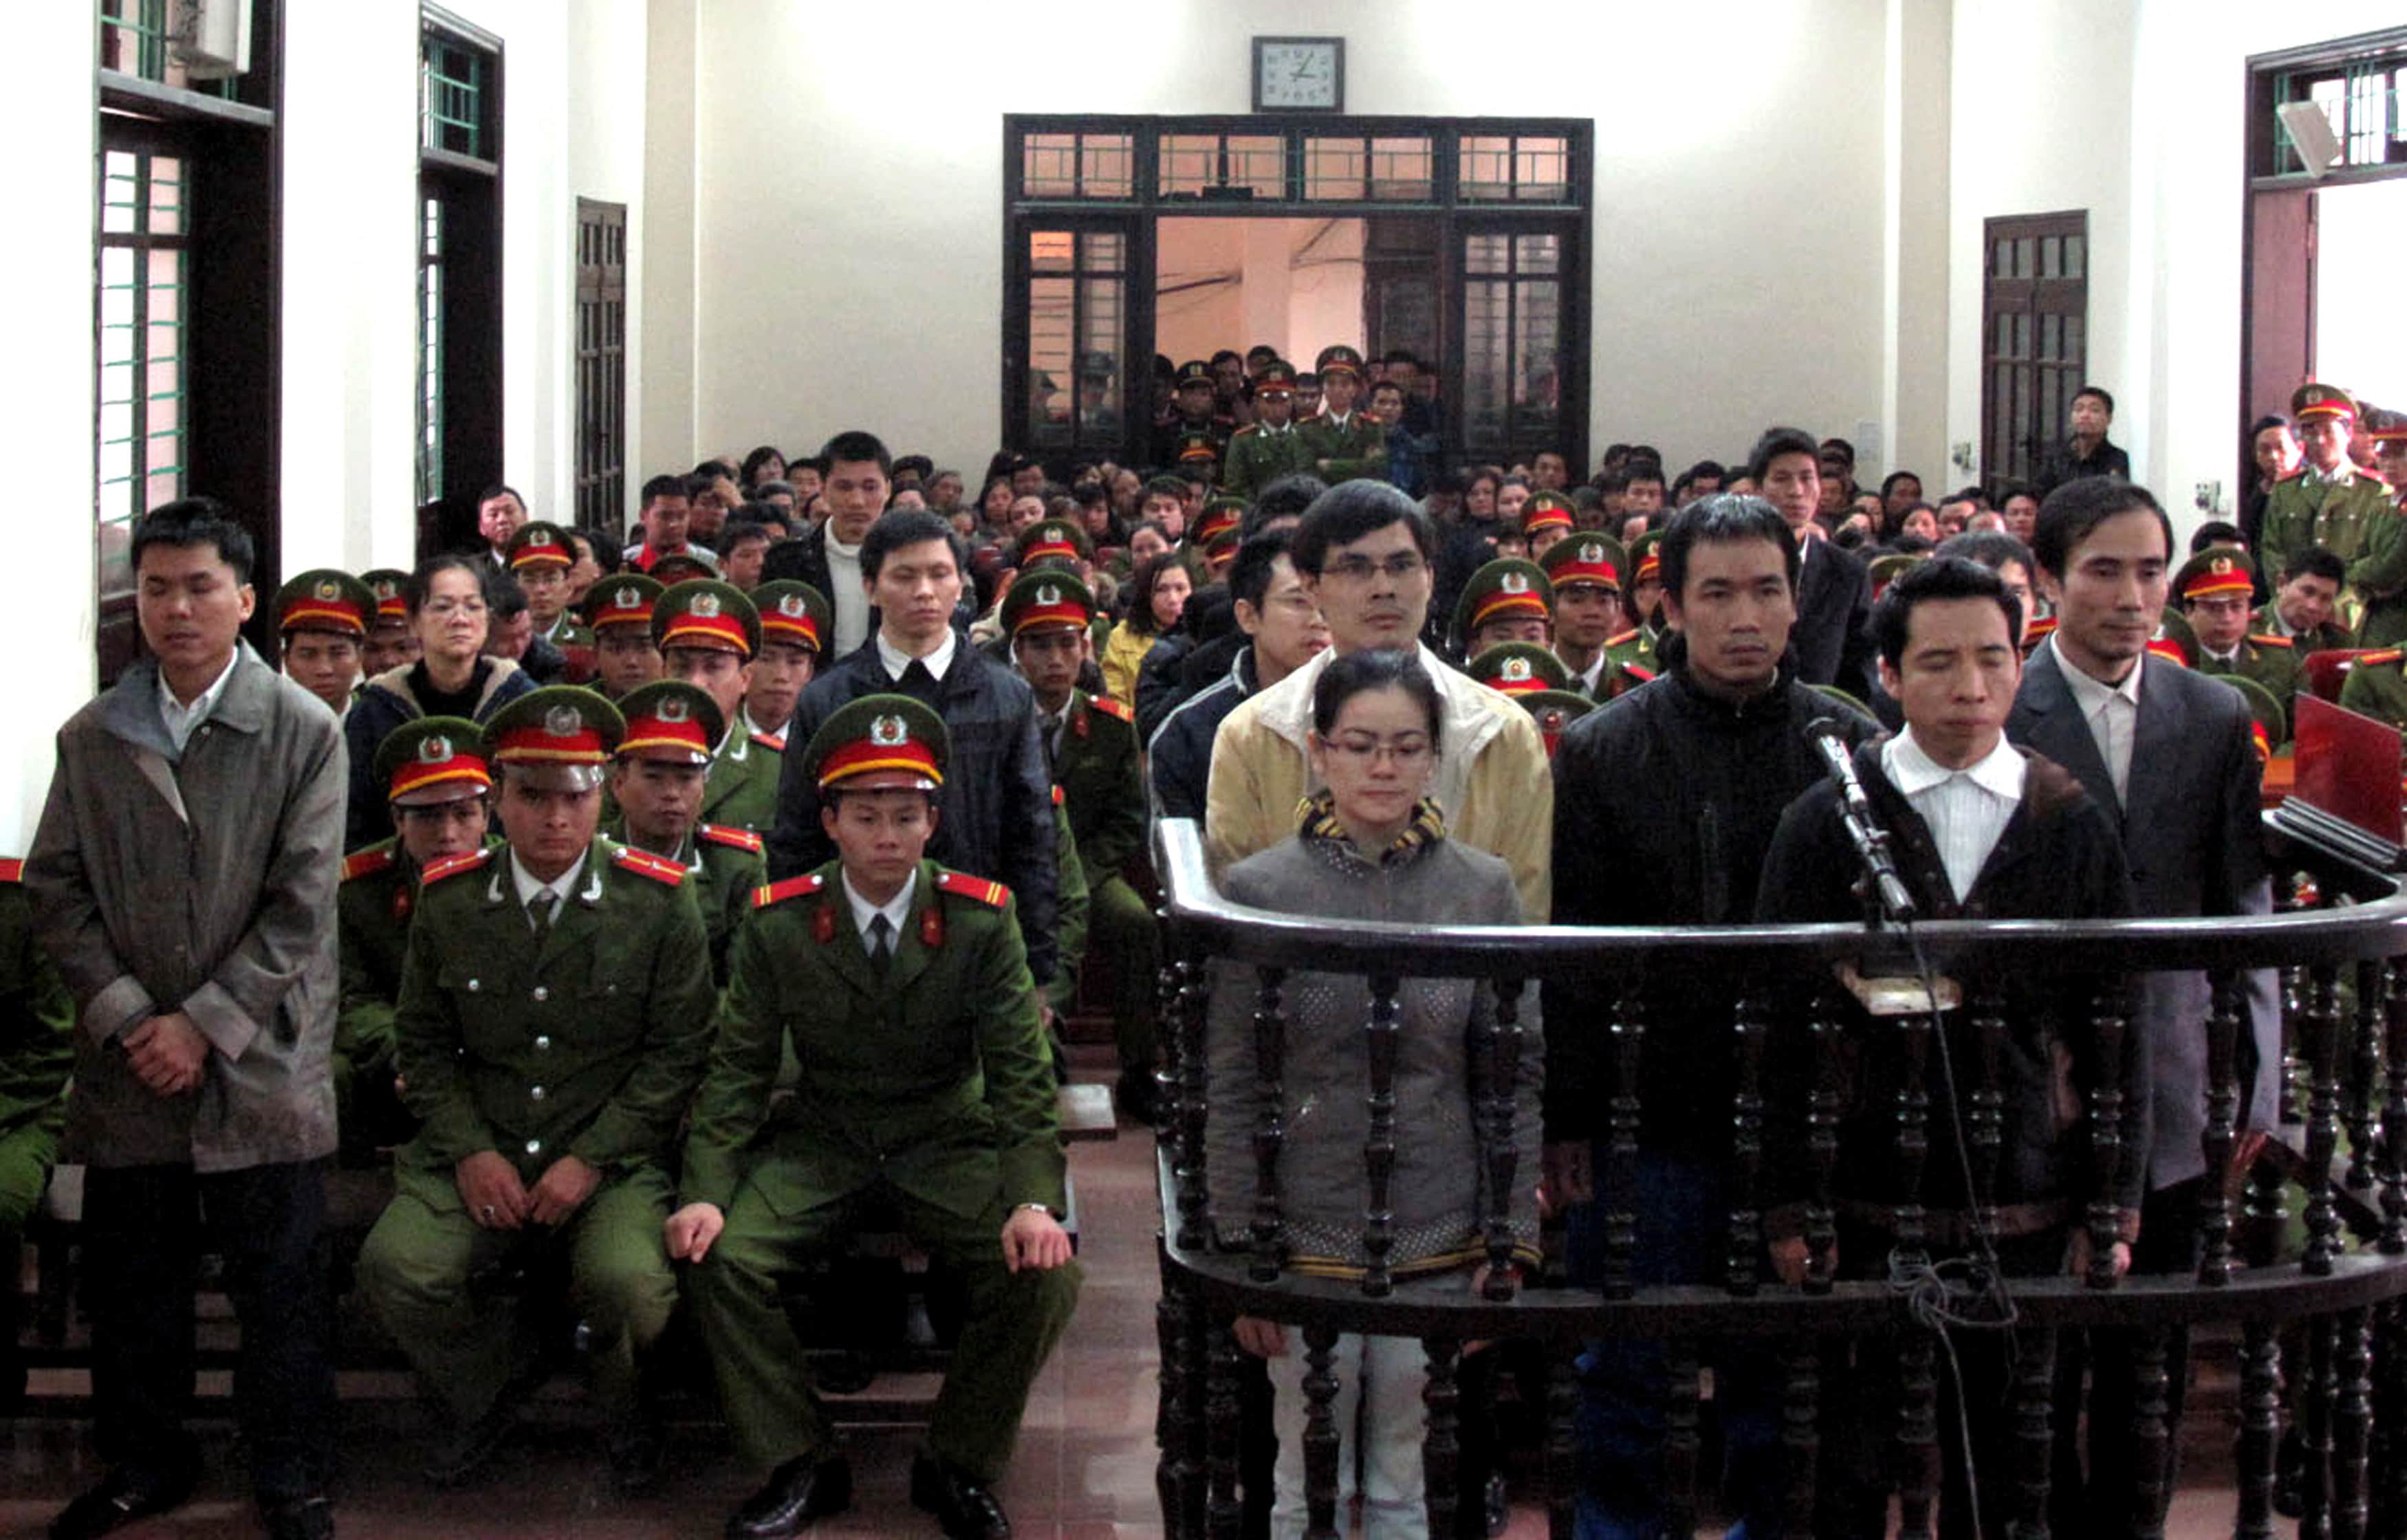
column 1834, row 607
column 2059, row 858
column 997, row 802
column 1178, row 758
column 1666, row 802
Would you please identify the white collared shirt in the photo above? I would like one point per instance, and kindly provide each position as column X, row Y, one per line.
column 528, row 885
column 896, row 660
column 1588, row 679
column 851, row 604
column 753, row 726
column 182, row 719
column 896, row 909
column 1966, row 809
column 2112, row 713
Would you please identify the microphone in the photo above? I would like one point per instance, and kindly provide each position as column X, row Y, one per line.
column 1863, row 829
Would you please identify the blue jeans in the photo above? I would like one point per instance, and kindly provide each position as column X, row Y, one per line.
column 1682, row 1238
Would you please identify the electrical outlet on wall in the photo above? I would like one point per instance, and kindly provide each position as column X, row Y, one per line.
column 2210, row 497
column 1961, row 456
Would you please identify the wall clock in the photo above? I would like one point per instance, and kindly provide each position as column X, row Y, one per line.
column 1299, row 74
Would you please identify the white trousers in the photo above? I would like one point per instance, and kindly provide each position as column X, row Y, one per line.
column 1379, row 1382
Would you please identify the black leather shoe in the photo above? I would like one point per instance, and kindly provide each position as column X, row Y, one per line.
column 964, row 1506
column 796, row 1492
column 636, row 1454
column 461, row 1455
column 123, row 1495
column 298, row 1518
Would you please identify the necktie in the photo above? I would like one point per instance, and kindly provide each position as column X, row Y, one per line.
column 539, row 910
column 882, row 945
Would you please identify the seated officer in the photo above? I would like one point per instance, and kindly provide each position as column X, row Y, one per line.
column 794, row 619
column 2213, row 588
column 1509, row 599
column 323, row 619
column 540, row 557
column 657, row 781
column 708, row 632
column 1586, row 572
column 1547, row 519
column 36, row 1054
column 391, row 643
column 619, row 610
column 925, row 1084
column 555, row 1014
column 1091, row 749
column 440, row 791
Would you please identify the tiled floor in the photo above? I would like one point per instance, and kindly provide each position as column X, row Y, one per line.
column 1084, row 1470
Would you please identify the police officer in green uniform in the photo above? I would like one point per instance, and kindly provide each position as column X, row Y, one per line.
column 1586, row 571
column 1272, row 445
column 2328, row 500
column 1091, row 749
column 1193, row 390
column 618, row 608
column 391, row 643
column 2213, row 588
column 1535, row 678
column 1547, row 518
column 440, row 791
column 1629, row 657
column 2305, row 608
column 540, row 555
column 795, row 621
column 2379, row 576
column 1212, row 544
column 925, row 1084
column 1508, row 599
column 555, row 1016
column 1342, row 444
column 2270, row 722
column 658, row 778
column 36, row 1055
column 708, row 632
column 2376, row 686
column 321, row 618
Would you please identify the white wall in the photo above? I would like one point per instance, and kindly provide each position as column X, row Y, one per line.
column 850, row 271
column 1296, row 301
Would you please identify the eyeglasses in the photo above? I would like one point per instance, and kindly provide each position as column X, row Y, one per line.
column 1361, row 568
column 1406, row 751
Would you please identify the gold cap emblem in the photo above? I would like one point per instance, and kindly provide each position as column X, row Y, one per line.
column 1516, row 669
column 793, row 607
column 627, row 598
column 673, row 709
column 433, row 751
column 705, row 605
column 329, row 589
column 889, row 731
column 563, row 722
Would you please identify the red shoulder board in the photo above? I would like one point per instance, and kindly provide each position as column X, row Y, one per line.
column 12, row 871
column 645, row 864
column 1057, row 797
column 1617, row 641
column 1110, row 707
column 962, row 884
column 2273, row 640
column 2388, row 655
column 741, row 839
column 792, row 887
column 1640, row 673
column 451, row 865
column 367, row 862
column 776, row 740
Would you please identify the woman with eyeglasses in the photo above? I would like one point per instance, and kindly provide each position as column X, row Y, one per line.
column 1370, row 845
column 449, row 612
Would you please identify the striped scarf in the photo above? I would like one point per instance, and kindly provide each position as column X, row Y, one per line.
column 1316, row 817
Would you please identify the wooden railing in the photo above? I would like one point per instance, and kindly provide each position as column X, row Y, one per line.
column 2346, row 1031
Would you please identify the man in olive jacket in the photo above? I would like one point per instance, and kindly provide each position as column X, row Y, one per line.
column 183, row 880
column 925, row 1083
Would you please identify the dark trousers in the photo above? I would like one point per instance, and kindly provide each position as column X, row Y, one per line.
column 2105, row 1497
column 145, row 1228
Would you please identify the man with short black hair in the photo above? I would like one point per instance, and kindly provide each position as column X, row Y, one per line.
column 500, row 512
column 1279, row 629
column 998, row 819
column 1834, row 590
column 855, row 491
column 2301, row 608
column 668, row 519
column 2007, row 556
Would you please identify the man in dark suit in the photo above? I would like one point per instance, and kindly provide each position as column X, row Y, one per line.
column 1835, row 590
column 2167, row 754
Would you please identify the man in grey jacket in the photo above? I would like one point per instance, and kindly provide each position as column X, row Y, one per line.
column 183, row 878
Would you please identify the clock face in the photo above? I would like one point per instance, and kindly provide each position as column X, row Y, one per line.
column 1294, row 73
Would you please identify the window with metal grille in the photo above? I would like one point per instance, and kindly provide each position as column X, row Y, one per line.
column 1077, row 290
column 134, row 37
column 2034, row 321
column 1077, row 165
column 457, row 394
column 1360, row 169
column 145, row 226
column 2361, row 99
column 1514, row 168
column 429, row 350
column 451, row 75
column 1512, row 343
column 601, row 363
column 1222, row 166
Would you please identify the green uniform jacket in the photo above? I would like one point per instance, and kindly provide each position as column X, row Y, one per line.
column 723, row 866
column 1629, row 662
column 936, row 1079
column 2337, row 516
column 2328, row 637
column 2272, row 661
column 1100, row 771
column 742, row 789
column 2379, row 576
column 2377, row 687
column 1259, row 455
column 36, row 1020
column 1357, row 449
column 591, row 1048
column 1073, row 902
column 379, row 895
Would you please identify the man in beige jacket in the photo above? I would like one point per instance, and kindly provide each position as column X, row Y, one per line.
column 1364, row 551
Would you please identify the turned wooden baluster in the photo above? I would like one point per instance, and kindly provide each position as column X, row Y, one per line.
column 1169, row 1084
column 1562, row 1447
column 1739, row 1271
column 1441, row 1447
column 2106, row 1152
column 1800, row 1436
column 2387, row 1494
column 1225, row 1513
column 2319, row 1045
column 1379, row 1141
column 2361, row 1095
column 2317, row 1392
column 1822, row 1148
column 2151, row 1438
column 2290, row 1107
column 2393, row 1174
column 2260, row 1428
column 1174, row 1424
column 2034, row 1393
column 1629, row 1036
column 2226, row 1004
column 1494, row 1118
column 1988, row 1119
column 1917, row 1432
column 1270, row 1124
column 2352, row 1417
column 1681, row 1441
column 1193, row 1199
column 1319, row 1433
column 1912, row 1112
